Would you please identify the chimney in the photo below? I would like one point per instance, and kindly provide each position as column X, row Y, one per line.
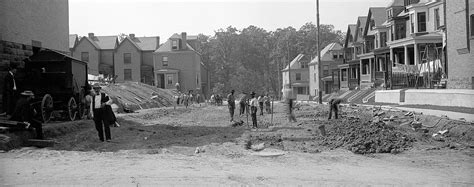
column 157, row 42
column 91, row 35
column 184, row 41
column 132, row 36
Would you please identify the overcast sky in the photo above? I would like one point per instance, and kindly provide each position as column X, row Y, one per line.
column 165, row 17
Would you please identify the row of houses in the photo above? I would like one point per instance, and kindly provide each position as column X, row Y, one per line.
column 408, row 44
column 143, row 59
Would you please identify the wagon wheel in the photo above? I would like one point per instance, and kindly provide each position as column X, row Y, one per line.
column 72, row 108
column 46, row 107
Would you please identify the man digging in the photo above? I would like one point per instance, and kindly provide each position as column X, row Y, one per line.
column 334, row 106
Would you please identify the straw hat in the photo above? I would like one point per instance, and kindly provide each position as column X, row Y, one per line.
column 27, row 93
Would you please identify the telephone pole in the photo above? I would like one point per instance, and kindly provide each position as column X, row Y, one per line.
column 320, row 86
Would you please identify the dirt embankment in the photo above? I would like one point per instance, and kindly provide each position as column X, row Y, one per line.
column 135, row 96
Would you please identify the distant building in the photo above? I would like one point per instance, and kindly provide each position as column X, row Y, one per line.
column 297, row 71
column 73, row 41
column 134, row 59
column 176, row 61
column 349, row 69
column 331, row 57
column 98, row 52
column 460, row 43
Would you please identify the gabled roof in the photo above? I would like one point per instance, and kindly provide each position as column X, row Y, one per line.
column 293, row 62
column 166, row 47
column 105, row 42
column 396, row 3
column 84, row 38
column 73, row 38
column 361, row 21
column 325, row 55
column 147, row 43
column 350, row 32
column 379, row 14
column 129, row 40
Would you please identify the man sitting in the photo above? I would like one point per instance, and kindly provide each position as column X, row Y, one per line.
column 25, row 113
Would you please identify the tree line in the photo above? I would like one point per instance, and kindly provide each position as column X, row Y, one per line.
column 251, row 59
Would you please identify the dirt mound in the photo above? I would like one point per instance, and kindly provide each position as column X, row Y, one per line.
column 134, row 96
column 364, row 138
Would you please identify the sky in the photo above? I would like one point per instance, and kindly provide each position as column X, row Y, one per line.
column 165, row 17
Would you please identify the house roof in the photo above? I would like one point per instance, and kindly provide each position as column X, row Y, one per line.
column 379, row 14
column 131, row 41
column 166, row 47
column 84, row 38
column 105, row 42
column 361, row 20
column 325, row 55
column 294, row 61
column 350, row 32
column 396, row 3
column 147, row 43
column 73, row 38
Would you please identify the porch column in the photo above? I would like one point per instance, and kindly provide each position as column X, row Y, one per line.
column 406, row 55
column 417, row 54
column 370, row 66
column 391, row 56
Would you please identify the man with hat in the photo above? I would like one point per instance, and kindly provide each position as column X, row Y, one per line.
column 25, row 113
column 231, row 104
column 253, row 109
column 100, row 115
column 10, row 89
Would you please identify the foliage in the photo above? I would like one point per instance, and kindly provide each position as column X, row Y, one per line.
column 251, row 59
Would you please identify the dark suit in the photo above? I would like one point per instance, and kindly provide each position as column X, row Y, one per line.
column 101, row 118
column 9, row 94
column 24, row 113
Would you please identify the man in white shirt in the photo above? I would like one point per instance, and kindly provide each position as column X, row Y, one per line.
column 253, row 109
column 99, row 113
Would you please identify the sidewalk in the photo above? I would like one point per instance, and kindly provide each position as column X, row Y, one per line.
column 456, row 113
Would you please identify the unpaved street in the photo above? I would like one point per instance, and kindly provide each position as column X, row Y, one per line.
column 157, row 147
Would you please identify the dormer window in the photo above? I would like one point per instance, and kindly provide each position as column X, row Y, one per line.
column 174, row 45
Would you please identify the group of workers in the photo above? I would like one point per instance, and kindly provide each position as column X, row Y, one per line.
column 187, row 99
column 249, row 102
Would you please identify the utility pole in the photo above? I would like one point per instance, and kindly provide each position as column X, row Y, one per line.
column 289, row 61
column 320, row 86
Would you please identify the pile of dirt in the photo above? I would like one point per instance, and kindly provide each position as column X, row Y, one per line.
column 365, row 137
column 135, row 96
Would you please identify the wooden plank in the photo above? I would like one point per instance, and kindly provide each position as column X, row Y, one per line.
column 40, row 143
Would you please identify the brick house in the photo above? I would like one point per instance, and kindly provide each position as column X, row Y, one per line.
column 98, row 52
column 176, row 61
column 460, row 43
column 134, row 59
column 331, row 57
column 297, row 73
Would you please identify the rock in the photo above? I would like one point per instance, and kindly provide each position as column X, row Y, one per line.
column 258, row 147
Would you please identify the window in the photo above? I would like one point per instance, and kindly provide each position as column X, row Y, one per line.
column 334, row 56
column 325, row 70
column 437, row 19
column 197, row 79
column 360, row 32
column 383, row 39
column 127, row 58
column 412, row 23
column 315, row 77
column 365, row 68
column 341, row 56
column 303, row 64
column 472, row 25
column 85, row 56
column 127, row 74
column 174, row 44
column 164, row 60
column 170, row 79
column 298, row 76
column 421, row 21
column 301, row 90
column 372, row 24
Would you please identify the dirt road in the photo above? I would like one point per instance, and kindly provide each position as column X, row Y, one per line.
column 157, row 147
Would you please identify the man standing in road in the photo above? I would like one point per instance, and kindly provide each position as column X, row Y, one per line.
column 260, row 103
column 231, row 104
column 243, row 104
column 10, row 89
column 100, row 116
column 289, row 96
column 253, row 109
